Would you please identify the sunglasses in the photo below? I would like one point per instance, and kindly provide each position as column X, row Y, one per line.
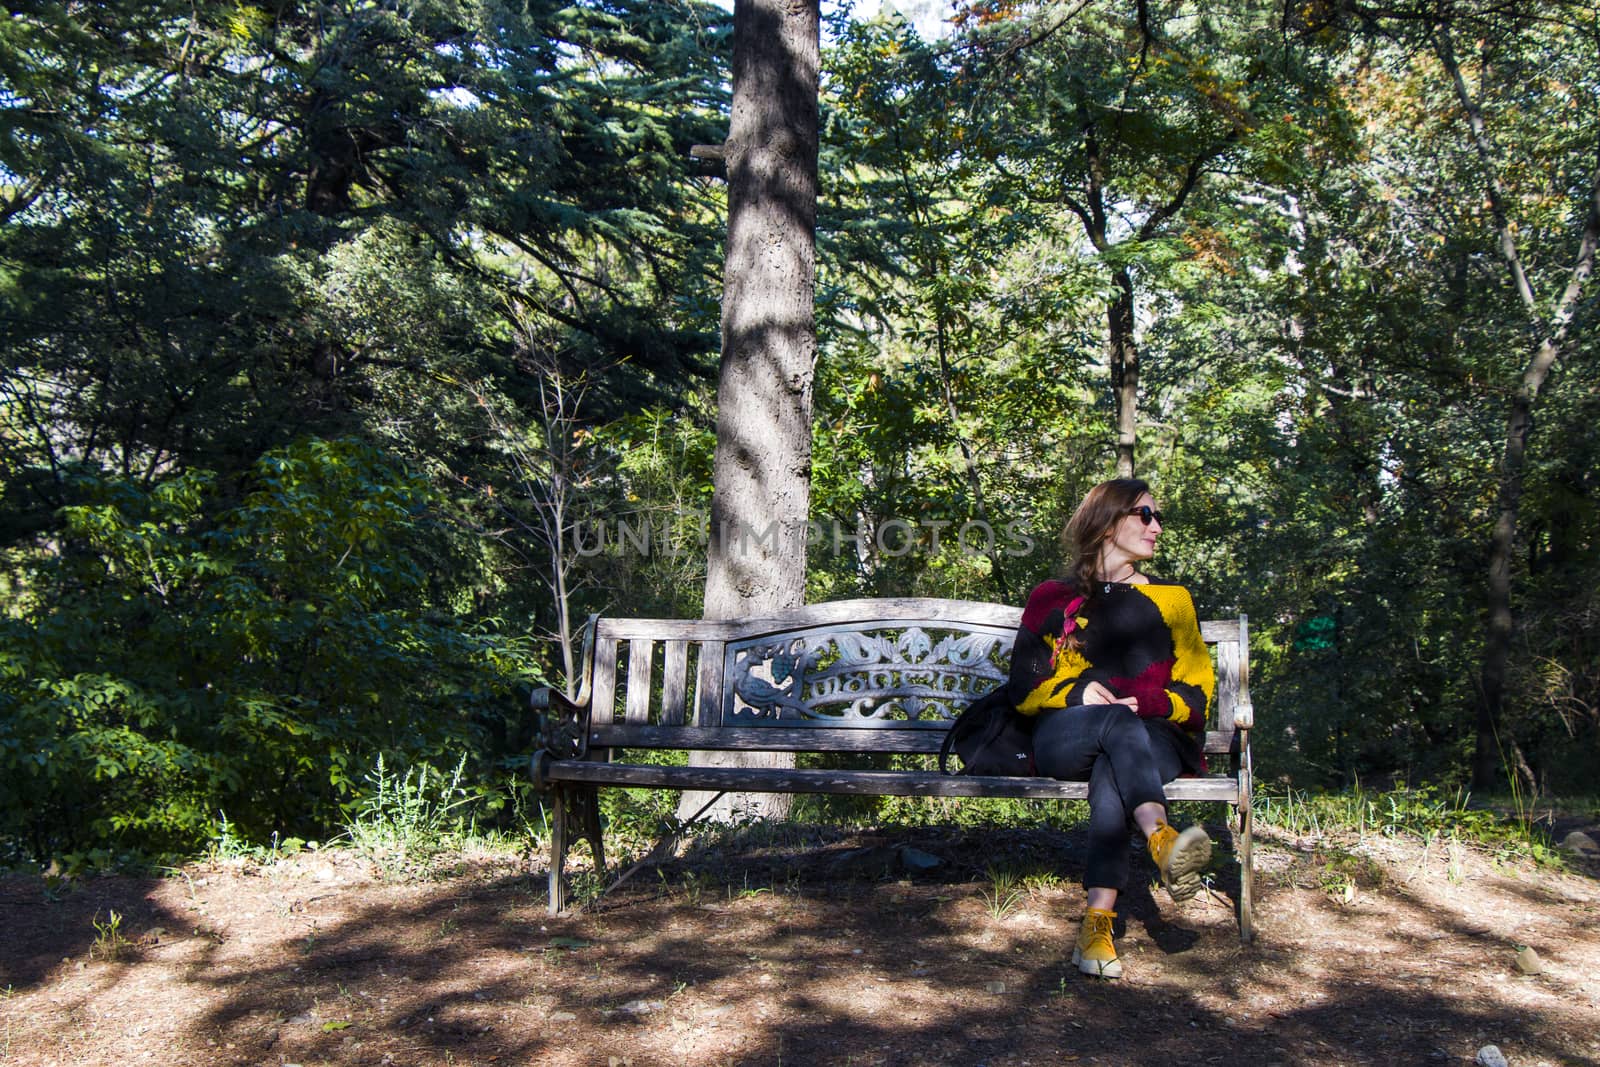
column 1146, row 513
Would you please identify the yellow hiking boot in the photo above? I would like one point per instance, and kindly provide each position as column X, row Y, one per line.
column 1094, row 954
column 1180, row 857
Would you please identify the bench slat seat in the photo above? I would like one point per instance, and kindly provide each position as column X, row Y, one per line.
column 861, row 783
column 846, row 678
column 883, row 737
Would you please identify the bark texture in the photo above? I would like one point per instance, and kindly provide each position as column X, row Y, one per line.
column 756, row 562
column 1122, row 353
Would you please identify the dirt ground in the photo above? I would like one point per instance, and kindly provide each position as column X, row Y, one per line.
column 811, row 946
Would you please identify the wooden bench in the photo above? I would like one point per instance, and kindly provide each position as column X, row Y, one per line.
column 851, row 677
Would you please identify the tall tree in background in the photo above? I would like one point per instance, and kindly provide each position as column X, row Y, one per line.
column 1548, row 322
column 949, row 334
column 1127, row 114
column 228, row 231
column 233, row 224
column 762, row 469
column 1506, row 96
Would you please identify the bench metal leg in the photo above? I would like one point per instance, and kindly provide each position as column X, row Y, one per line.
column 1247, row 931
column 664, row 847
column 558, row 851
column 576, row 809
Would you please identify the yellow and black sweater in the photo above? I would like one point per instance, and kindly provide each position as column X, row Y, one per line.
column 1141, row 641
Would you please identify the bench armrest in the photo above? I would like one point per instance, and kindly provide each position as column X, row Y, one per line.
column 1244, row 716
column 545, row 698
column 561, row 724
column 560, row 731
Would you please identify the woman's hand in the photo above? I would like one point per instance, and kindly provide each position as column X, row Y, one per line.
column 1097, row 693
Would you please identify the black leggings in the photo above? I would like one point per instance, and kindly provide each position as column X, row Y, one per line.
column 1125, row 760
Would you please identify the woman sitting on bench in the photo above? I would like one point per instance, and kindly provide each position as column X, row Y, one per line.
column 1112, row 663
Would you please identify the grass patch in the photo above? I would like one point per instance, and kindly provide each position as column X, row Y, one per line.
column 226, row 846
column 965, row 812
column 1427, row 812
column 410, row 821
column 1003, row 893
column 110, row 944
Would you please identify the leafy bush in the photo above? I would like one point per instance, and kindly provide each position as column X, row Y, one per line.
column 183, row 651
column 408, row 820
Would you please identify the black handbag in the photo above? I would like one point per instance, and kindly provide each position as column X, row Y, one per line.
column 991, row 737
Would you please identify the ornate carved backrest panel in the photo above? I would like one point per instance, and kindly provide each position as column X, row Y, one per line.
column 901, row 673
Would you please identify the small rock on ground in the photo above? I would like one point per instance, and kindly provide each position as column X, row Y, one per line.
column 641, row 1007
column 1581, row 843
column 1491, row 1056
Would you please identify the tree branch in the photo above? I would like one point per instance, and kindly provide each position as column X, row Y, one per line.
column 1046, row 33
column 1191, row 180
column 1480, row 143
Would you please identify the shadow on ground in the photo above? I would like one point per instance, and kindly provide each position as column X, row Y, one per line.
column 794, row 949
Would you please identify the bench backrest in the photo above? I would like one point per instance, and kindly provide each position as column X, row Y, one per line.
column 880, row 675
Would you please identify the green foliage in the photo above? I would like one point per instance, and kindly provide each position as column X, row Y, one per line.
column 647, row 524
column 225, row 229
column 284, row 291
column 405, row 822
column 188, row 652
column 950, row 401
column 110, row 943
column 225, row 844
column 940, row 811
column 1004, row 893
column 1426, row 812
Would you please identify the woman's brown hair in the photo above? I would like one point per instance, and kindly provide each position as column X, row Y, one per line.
column 1102, row 508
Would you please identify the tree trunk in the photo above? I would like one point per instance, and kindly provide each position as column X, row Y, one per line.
column 1487, row 756
column 1491, row 752
column 1123, row 355
column 761, row 474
